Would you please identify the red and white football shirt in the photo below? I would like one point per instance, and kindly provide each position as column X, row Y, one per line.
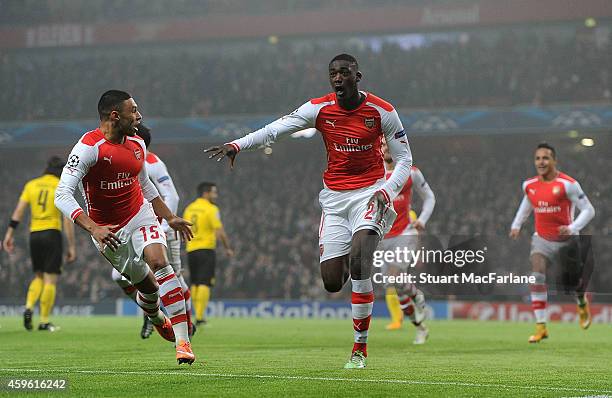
column 112, row 178
column 402, row 203
column 553, row 203
column 352, row 139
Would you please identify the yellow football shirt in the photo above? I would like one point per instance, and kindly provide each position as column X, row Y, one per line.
column 39, row 193
column 206, row 221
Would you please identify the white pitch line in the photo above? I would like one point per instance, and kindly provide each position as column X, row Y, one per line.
column 308, row 378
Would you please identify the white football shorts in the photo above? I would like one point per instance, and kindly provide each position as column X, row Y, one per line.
column 141, row 231
column 548, row 248
column 343, row 214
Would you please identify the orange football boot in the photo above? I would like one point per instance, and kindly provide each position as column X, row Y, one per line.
column 184, row 353
column 393, row 325
column 540, row 334
column 584, row 313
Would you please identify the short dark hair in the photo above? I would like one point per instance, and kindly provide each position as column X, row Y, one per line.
column 345, row 57
column 145, row 133
column 111, row 101
column 205, row 187
column 55, row 164
column 546, row 145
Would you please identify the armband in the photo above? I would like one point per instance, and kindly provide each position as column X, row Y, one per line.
column 13, row 224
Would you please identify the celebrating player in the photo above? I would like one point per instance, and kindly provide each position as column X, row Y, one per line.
column 405, row 234
column 553, row 196
column 158, row 173
column 108, row 165
column 46, row 244
column 204, row 216
column 356, row 198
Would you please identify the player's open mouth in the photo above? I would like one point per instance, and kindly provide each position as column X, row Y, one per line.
column 339, row 90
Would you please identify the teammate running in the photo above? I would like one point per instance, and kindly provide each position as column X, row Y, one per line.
column 552, row 196
column 405, row 234
column 108, row 166
column 46, row 243
column 356, row 198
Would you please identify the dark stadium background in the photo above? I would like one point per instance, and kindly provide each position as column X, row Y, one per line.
column 478, row 84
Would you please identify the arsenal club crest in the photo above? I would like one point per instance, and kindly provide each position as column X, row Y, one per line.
column 556, row 190
column 369, row 122
column 138, row 153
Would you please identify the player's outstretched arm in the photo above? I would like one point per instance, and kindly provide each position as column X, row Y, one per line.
column 220, row 152
column 302, row 118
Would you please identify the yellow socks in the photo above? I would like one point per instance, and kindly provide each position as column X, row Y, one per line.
column 47, row 299
column 393, row 305
column 34, row 291
column 200, row 294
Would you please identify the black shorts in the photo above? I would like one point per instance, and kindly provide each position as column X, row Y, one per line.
column 46, row 249
column 202, row 266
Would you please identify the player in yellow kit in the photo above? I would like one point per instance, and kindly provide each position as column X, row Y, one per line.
column 203, row 213
column 46, row 244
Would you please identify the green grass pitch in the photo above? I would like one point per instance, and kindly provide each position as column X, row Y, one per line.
column 104, row 356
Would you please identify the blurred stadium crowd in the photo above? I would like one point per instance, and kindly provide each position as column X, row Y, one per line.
column 270, row 209
column 504, row 69
column 60, row 11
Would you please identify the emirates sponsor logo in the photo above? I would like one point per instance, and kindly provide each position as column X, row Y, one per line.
column 352, row 145
column 352, row 148
column 123, row 180
column 544, row 207
column 547, row 209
